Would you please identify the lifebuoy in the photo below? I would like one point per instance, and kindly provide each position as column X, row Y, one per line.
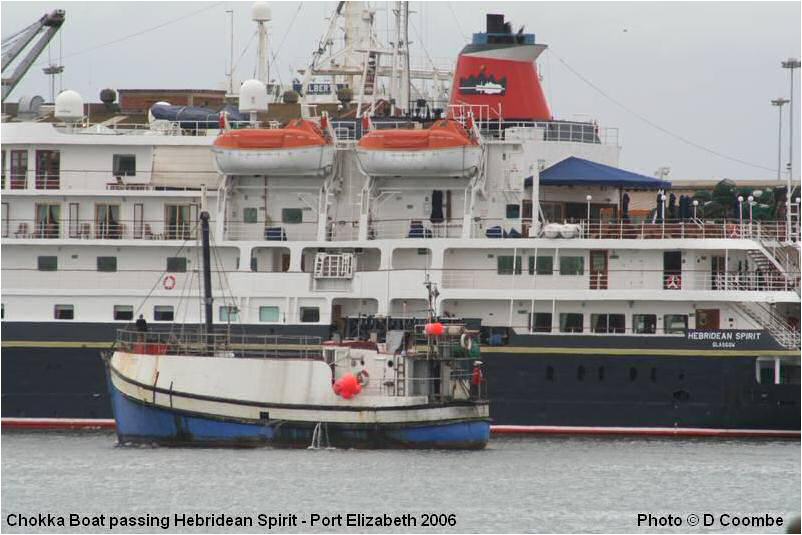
column 169, row 282
column 465, row 342
column 674, row 282
column 363, row 378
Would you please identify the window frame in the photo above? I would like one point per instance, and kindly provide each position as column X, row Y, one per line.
column 109, row 268
column 673, row 330
column 278, row 313
column 159, row 310
column 543, row 329
column 118, row 309
column 566, row 315
column 635, row 324
column 177, row 259
column 565, row 265
column 66, row 310
column 303, row 309
column 116, row 163
column 291, row 221
column 515, row 267
column 40, row 260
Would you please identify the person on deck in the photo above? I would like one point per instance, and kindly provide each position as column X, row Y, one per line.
column 141, row 324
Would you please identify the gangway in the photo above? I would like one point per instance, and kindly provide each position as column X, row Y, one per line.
column 40, row 33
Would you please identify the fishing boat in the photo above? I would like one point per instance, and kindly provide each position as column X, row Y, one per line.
column 444, row 149
column 301, row 147
column 422, row 388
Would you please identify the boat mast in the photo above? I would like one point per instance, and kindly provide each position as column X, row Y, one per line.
column 207, row 270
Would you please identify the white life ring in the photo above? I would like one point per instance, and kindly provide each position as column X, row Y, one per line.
column 466, row 342
column 363, row 378
column 674, row 282
column 169, row 282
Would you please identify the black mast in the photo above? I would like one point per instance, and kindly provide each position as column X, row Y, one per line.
column 207, row 271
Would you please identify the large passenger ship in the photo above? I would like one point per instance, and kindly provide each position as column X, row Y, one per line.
column 594, row 316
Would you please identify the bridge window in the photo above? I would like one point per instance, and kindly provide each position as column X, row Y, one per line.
column 64, row 312
column 123, row 312
column 644, row 323
column 107, row 263
column 505, row 265
column 124, row 165
column 571, row 322
column 269, row 314
column 572, row 265
column 163, row 313
column 47, row 263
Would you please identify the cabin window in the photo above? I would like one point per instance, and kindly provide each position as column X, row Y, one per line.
column 124, row 164
column 250, row 215
column 179, row 221
column 163, row 313
column 63, row 312
column 541, row 265
column 572, row 265
column 107, row 222
column 5, row 222
column 607, row 323
column 644, row 323
column 48, row 221
column 540, row 322
column 675, row 323
column 268, row 314
column 176, row 264
column 310, row 314
column 571, row 322
column 18, row 172
column 229, row 313
column 107, row 263
column 123, row 312
column 513, row 211
column 292, row 216
column 47, row 263
column 47, row 169
column 505, row 265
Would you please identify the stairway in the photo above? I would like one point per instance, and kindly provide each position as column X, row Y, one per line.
column 786, row 336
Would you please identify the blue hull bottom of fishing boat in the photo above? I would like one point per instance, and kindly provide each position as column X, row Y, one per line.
column 141, row 423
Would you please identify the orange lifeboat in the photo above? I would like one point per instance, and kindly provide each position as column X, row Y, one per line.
column 444, row 149
column 299, row 148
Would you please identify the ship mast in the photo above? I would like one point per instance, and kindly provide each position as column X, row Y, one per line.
column 208, row 299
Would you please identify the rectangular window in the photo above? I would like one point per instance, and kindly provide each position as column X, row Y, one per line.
column 570, row 322
column 163, row 313
column 505, row 265
column 513, row 211
column 179, row 221
column 644, row 323
column 48, row 169
column 542, row 265
column 107, row 222
column 310, row 314
column 541, row 322
column 74, row 228
column 47, row 263
column 124, row 165
column 229, row 314
column 5, row 221
column 268, row 314
column 139, row 227
column 607, row 323
column 107, row 263
column 250, row 215
column 18, row 171
column 572, row 265
column 48, row 221
column 292, row 215
column 176, row 264
column 675, row 323
column 63, row 312
column 123, row 312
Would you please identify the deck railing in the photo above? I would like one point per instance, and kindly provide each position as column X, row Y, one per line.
column 83, row 229
column 196, row 342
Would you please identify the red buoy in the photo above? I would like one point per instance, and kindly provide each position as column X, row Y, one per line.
column 434, row 329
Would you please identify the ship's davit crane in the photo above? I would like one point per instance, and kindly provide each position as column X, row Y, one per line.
column 40, row 33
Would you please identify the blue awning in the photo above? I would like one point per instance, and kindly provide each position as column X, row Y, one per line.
column 575, row 171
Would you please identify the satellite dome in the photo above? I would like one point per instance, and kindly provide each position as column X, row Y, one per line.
column 252, row 96
column 161, row 103
column 260, row 12
column 69, row 105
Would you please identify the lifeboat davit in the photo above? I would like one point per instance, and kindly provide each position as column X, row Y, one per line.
column 444, row 149
column 300, row 148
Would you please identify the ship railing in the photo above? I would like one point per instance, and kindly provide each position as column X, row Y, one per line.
column 199, row 343
column 620, row 229
column 522, row 278
column 414, row 228
column 552, row 131
column 261, row 231
column 159, row 126
column 51, row 227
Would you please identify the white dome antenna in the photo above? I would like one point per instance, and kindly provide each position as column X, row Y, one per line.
column 69, row 106
column 260, row 12
column 252, row 98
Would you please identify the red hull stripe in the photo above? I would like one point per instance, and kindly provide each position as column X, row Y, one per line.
column 650, row 431
column 97, row 423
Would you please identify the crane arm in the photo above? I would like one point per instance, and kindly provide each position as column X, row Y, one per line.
column 45, row 28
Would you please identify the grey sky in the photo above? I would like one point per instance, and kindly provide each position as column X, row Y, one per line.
column 706, row 71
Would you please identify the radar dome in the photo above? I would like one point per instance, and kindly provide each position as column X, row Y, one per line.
column 252, row 96
column 69, row 105
column 260, row 12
